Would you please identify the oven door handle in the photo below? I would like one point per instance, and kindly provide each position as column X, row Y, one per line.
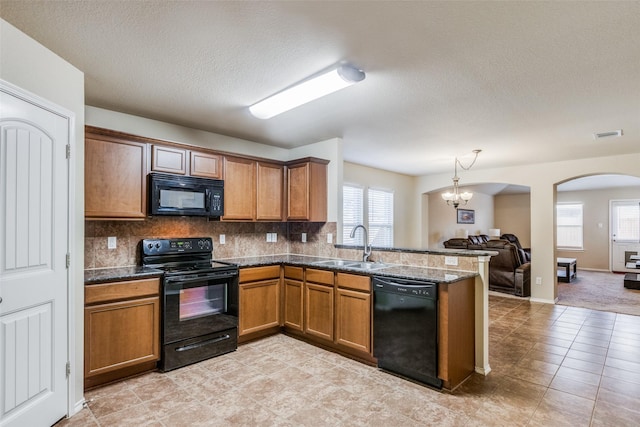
column 203, row 343
column 182, row 281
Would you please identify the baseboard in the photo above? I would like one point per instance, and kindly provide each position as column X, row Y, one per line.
column 543, row 300
column 78, row 407
column 505, row 295
column 595, row 269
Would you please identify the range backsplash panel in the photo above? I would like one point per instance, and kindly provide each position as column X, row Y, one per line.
column 241, row 238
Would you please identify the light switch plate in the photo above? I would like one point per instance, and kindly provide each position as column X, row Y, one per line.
column 274, row 237
column 268, row 237
column 222, row 239
column 111, row 242
column 329, row 237
column 304, row 237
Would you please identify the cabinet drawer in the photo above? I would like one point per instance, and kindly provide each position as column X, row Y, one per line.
column 293, row 273
column 319, row 276
column 353, row 281
column 259, row 273
column 121, row 290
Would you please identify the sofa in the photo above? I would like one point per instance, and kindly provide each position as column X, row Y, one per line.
column 507, row 272
column 471, row 242
column 525, row 253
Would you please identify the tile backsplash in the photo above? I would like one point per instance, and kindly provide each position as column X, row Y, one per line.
column 241, row 238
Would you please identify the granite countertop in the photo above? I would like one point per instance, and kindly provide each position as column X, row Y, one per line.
column 437, row 275
column 102, row 275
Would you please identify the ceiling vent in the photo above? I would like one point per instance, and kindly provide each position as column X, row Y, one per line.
column 607, row 134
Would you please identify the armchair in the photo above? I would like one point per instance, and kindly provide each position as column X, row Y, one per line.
column 507, row 272
column 525, row 253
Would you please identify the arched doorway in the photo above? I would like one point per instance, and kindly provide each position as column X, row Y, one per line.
column 586, row 222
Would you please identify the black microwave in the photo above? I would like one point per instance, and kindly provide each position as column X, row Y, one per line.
column 185, row 195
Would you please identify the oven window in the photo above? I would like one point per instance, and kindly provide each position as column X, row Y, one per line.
column 202, row 301
column 181, row 199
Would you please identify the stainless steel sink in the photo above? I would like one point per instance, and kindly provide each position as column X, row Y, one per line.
column 335, row 263
column 368, row 265
column 357, row 265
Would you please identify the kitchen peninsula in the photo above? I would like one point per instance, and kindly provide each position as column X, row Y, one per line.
column 273, row 283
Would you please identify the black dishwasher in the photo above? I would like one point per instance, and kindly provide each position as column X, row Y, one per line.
column 405, row 328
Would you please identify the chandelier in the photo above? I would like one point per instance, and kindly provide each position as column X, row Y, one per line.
column 456, row 198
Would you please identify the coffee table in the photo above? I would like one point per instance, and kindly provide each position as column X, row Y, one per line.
column 567, row 269
column 632, row 280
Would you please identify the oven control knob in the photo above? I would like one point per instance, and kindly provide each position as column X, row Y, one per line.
column 150, row 245
column 157, row 245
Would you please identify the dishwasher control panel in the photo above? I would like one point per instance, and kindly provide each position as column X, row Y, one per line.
column 406, row 287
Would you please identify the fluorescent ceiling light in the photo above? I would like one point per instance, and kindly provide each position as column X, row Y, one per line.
column 323, row 84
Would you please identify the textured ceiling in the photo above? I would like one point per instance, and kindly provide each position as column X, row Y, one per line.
column 526, row 82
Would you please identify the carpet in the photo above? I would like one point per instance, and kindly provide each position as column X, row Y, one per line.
column 600, row 291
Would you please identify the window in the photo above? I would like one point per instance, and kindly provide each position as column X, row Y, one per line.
column 352, row 213
column 569, row 223
column 379, row 219
column 625, row 221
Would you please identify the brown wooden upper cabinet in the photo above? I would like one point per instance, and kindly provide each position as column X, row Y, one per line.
column 239, row 189
column 168, row 159
column 205, row 165
column 307, row 190
column 181, row 161
column 115, row 181
column 270, row 191
column 253, row 190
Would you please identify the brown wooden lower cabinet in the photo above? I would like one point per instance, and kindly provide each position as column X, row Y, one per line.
column 259, row 300
column 456, row 331
column 293, row 303
column 353, row 319
column 318, row 303
column 122, row 329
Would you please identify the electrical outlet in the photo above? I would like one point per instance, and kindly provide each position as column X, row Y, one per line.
column 304, row 237
column 274, row 237
column 111, row 242
column 329, row 237
column 451, row 260
column 222, row 239
column 268, row 237
column 538, row 280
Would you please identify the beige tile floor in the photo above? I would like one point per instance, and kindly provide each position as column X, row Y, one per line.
column 552, row 366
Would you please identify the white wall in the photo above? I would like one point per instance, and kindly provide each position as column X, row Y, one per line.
column 512, row 214
column 405, row 209
column 149, row 128
column 30, row 66
column 542, row 178
column 443, row 219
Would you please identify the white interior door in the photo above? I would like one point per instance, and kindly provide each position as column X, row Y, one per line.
column 34, row 216
column 625, row 233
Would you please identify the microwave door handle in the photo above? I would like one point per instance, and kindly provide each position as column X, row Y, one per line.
column 207, row 200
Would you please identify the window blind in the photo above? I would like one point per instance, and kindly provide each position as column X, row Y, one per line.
column 380, row 218
column 569, row 220
column 352, row 213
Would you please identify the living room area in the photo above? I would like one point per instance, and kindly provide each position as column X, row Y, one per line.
column 597, row 226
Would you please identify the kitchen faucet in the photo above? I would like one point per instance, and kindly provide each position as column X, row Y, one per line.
column 367, row 247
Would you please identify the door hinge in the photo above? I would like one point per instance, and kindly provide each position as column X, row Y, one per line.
column 68, row 151
column 68, row 260
column 68, row 369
